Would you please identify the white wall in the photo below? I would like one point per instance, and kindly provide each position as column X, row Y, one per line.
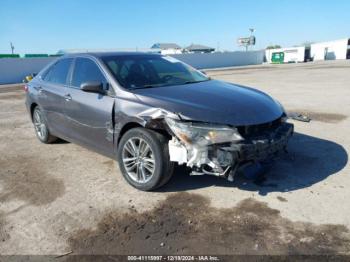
column 171, row 51
column 291, row 54
column 329, row 50
column 13, row 70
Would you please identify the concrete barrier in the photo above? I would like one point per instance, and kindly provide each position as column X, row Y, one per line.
column 13, row 70
column 227, row 59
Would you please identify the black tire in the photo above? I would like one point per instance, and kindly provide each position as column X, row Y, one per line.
column 46, row 138
column 163, row 167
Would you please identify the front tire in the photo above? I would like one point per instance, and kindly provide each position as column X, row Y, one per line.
column 143, row 157
column 41, row 130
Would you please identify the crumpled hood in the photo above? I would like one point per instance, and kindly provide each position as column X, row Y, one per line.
column 215, row 102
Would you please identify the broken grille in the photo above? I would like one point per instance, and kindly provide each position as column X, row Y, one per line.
column 259, row 130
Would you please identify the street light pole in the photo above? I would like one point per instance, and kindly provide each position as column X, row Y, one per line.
column 12, row 47
column 252, row 30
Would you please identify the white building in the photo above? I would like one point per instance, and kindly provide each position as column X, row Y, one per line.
column 167, row 48
column 291, row 54
column 338, row 49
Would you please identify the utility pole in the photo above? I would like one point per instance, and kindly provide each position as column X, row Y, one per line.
column 12, row 47
column 252, row 30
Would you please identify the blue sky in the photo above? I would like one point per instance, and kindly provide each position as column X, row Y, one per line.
column 39, row 26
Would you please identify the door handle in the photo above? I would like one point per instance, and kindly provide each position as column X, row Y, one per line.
column 67, row 97
column 39, row 89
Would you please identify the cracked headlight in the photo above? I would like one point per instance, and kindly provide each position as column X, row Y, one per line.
column 284, row 115
column 203, row 134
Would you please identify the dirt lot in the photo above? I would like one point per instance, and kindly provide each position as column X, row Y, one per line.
column 63, row 198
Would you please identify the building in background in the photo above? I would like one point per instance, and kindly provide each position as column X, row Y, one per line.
column 286, row 55
column 167, row 48
column 332, row 50
column 194, row 48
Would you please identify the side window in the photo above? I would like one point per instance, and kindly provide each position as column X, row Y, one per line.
column 58, row 72
column 86, row 70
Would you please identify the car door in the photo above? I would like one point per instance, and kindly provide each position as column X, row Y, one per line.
column 51, row 90
column 89, row 114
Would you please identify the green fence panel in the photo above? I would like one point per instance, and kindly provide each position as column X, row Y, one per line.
column 35, row 55
column 9, row 56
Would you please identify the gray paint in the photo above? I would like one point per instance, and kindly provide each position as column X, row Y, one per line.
column 214, row 102
column 13, row 70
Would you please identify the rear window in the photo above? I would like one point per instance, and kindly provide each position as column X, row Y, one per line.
column 58, row 73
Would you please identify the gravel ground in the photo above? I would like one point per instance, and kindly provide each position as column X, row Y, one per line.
column 63, row 198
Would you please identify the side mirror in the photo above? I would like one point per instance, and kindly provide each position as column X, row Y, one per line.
column 92, row 86
column 27, row 79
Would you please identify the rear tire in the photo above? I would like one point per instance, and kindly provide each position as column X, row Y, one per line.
column 143, row 158
column 40, row 126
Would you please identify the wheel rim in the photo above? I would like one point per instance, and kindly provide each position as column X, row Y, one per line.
column 39, row 125
column 138, row 160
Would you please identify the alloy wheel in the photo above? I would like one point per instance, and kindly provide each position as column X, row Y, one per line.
column 138, row 160
column 39, row 125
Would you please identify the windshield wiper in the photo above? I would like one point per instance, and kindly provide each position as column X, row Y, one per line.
column 161, row 85
column 151, row 86
column 193, row 82
column 138, row 87
column 145, row 86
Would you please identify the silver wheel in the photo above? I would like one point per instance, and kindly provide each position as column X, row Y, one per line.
column 39, row 125
column 138, row 160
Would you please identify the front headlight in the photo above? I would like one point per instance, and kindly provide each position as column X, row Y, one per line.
column 203, row 134
column 284, row 115
column 279, row 103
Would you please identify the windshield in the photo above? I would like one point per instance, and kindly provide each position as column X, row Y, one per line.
column 144, row 71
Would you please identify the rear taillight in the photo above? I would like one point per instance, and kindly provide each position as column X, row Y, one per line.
column 25, row 88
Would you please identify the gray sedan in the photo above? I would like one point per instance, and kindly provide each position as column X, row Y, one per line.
column 150, row 112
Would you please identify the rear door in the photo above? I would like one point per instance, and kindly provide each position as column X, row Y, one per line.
column 51, row 91
column 89, row 114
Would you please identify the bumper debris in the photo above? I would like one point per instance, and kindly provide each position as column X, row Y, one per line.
column 224, row 159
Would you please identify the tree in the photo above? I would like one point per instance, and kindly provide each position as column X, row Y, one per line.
column 307, row 43
column 273, row 47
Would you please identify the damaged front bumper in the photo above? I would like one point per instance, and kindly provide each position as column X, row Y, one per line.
column 223, row 159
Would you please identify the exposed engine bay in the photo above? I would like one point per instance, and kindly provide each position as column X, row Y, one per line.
column 220, row 150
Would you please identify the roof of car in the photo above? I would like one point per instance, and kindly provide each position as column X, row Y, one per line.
column 104, row 54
